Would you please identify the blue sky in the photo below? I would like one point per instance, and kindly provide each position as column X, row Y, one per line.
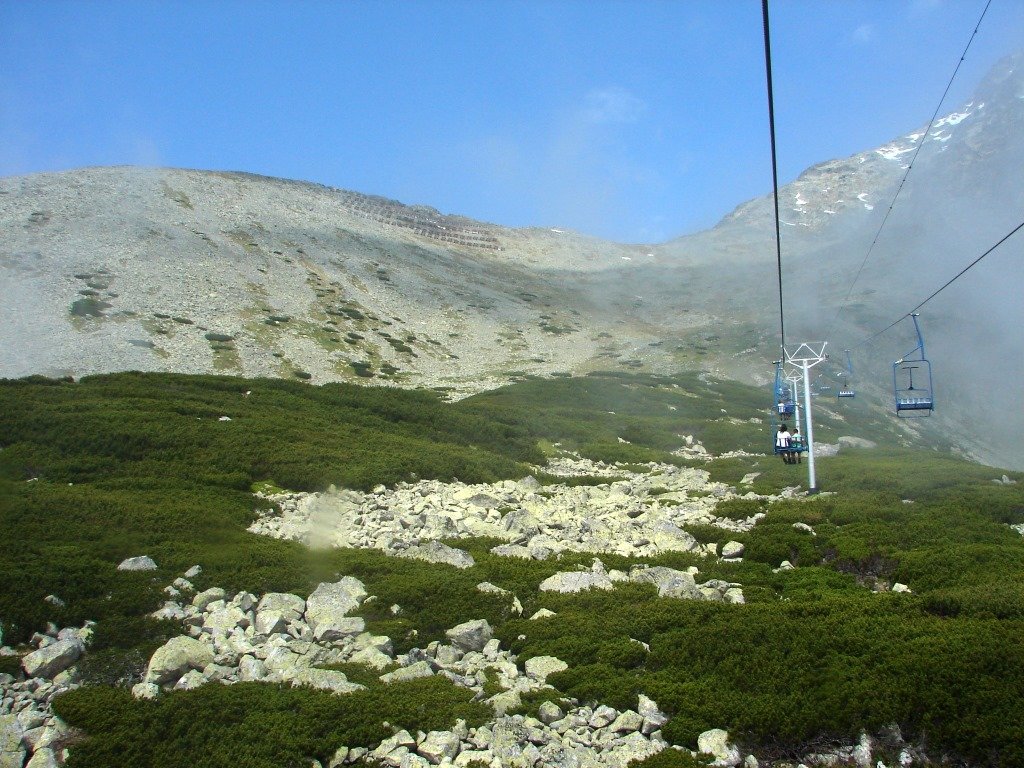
column 635, row 121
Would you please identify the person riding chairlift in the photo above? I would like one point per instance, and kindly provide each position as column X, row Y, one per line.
column 782, row 443
column 796, row 442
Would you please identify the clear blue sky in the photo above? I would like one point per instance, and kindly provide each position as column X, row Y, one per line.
column 636, row 120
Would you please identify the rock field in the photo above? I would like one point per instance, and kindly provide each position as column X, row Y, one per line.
column 639, row 515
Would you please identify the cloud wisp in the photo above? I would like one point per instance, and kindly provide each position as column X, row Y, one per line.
column 612, row 105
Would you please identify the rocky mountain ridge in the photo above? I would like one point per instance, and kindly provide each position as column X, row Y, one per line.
column 110, row 269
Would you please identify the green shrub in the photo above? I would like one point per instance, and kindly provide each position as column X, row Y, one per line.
column 10, row 665
column 265, row 726
column 738, row 509
column 671, row 758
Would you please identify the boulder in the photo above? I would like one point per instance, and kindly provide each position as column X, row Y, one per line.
column 52, row 659
column 549, row 712
column 669, row 536
column 170, row 612
column 190, row 681
column 328, row 607
column 31, row 718
column 732, row 550
column 634, row 747
column 43, row 758
column 145, row 690
column 291, row 607
column 204, row 598
column 653, row 717
column 412, row 672
column 394, row 750
column 140, row 563
column 476, row 498
column 575, row 581
column 539, row 667
column 628, row 722
column 734, row 595
column 436, row 552
column 522, row 522
column 250, row 669
column 12, row 753
column 716, row 743
column 270, row 623
column 512, row 550
column 283, row 660
column 325, row 680
column 223, row 620
column 58, row 735
column 470, row 635
column 862, row 752
column 372, row 657
column 176, row 657
column 486, row 586
column 505, row 701
column 529, row 483
column 603, row 716
column 669, row 581
column 438, row 746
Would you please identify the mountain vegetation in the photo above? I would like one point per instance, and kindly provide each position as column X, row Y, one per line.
column 112, row 466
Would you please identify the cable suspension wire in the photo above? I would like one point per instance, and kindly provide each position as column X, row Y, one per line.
column 948, row 283
column 913, row 158
column 775, row 171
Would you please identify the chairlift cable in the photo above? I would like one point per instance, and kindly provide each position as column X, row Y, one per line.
column 917, row 151
column 775, row 171
column 948, row 283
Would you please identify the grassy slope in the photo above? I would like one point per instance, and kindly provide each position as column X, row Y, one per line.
column 813, row 655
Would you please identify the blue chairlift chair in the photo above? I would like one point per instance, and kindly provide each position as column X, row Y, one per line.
column 846, row 390
column 913, row 400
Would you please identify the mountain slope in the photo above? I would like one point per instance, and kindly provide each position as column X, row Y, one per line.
column 107, row 269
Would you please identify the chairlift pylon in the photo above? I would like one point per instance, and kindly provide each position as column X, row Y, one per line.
column 913, row 400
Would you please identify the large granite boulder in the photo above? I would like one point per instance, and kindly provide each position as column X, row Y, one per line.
column 52, row 659
column 436, row 552
column 439, row 745
column 43, row 758
column 716, row 743
column 204, row 598
column 669, row 581
column 470, row 635
column 291, row 607
column 176, row 657
column 12, row 753
column 328, row 607
column 539, row 667
column 140, row 563
column 412, row 672
column 575, row 581
column 221, row 621
column 669, row 536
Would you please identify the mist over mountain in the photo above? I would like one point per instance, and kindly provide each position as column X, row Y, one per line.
column 107, row 269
